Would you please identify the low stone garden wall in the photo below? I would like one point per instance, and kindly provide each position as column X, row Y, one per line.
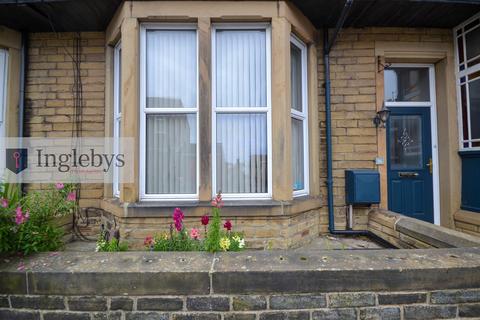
column 342, row 306
column 263, row 285
column 408, row 233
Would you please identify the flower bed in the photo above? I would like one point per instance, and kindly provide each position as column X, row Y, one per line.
column 212, row 238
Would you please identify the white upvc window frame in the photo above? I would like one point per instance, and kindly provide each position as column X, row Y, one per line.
column 465, row 73
column 144, row 27
column 117, row 115
column 303, row 116
column 3, row 101
column 266, row 110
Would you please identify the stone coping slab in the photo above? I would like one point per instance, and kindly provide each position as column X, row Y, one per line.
column 193, row 273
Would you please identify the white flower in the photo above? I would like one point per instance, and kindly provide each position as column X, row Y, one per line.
column 241, row 243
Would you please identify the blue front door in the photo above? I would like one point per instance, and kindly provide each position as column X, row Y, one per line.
column 409, row 163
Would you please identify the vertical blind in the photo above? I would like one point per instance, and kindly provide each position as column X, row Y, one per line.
column 241, row 68
column 241, row 136
column 117, row 116
column 171, row 138
column 171, row 69
column 242, row 153
column 171, row 157
column 296, row 77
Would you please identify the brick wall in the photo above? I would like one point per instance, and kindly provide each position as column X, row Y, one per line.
column 353, row 83
column 49, row 91
column 421, row 305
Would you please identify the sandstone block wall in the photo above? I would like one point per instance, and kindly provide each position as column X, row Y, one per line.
column 353, row 84
column 49, row 105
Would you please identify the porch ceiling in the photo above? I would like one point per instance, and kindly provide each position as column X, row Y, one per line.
column 390, row 13
column 94, row 15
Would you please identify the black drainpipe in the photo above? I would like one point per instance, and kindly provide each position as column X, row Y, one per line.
column 327, row 46
column 23, row 76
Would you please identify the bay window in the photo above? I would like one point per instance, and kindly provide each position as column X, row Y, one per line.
column 241, row 155
column 169, row 100
column 467, row 41
column 299, row 112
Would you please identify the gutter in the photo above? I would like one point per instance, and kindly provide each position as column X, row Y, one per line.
column 23, row 76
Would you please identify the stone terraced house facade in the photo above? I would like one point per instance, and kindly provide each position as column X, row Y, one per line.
column 231, row 96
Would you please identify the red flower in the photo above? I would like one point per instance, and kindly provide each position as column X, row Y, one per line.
column 148, row 241
column 205, row 219
column 228, row 225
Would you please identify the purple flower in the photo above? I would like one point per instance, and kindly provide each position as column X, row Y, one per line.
column 59, row 186
column 71, row 196
column 4, row 202
column 20, row 217
column 178, row 217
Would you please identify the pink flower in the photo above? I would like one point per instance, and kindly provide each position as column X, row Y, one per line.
column 148, row 241
column 228, row 225
column 205, row 219
column 217, row 202
column 178, row 219
column 4, row 202
column 59, row 186
column 20, row 217
column 71, row 196
column 194, row 234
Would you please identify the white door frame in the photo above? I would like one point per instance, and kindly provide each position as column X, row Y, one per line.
column 434, row 130
column 3, row 109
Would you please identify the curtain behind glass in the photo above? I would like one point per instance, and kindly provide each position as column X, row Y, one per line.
column 171, row 69
column 297, row 155
column 171, row 154
column 241, row 76
column 242, row 153
column 296, row 77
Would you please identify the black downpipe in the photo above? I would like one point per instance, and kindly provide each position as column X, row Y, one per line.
column 23, row 77
column 327, row 46
column 21, row 99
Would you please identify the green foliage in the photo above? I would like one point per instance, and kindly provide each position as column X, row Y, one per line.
column 111, row 246
column 36, row 230
column 177, row 241
column 215, row 239
column 212, row 243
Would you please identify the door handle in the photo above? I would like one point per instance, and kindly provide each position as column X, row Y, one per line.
column 408, row 174
column 430, row 166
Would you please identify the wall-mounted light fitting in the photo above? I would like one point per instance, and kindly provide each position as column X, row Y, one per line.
column 381, row 117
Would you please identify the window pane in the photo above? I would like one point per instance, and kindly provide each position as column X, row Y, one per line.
column 474, row 97
column 297, row 155
column 406, row 142
column 171, row 69
column 3, row 79
column 242, row 153
column 407, row 84
column 119, row 81
column 472, row 41
column 463, row 95
column 296, row 76
column 171, row 154
column 241, row 68
column 461, row 53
